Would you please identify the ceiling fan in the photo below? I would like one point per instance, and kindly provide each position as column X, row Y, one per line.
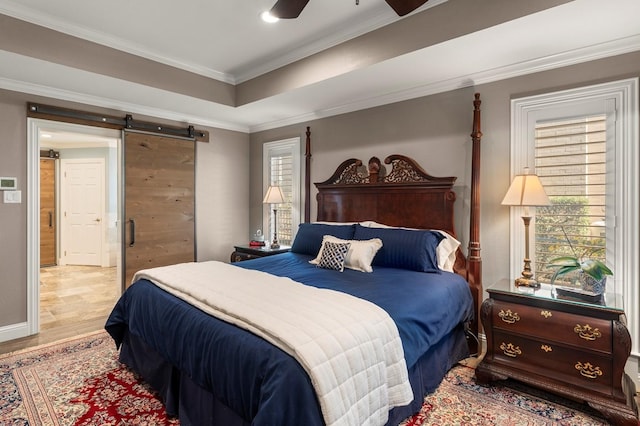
column 290, row 9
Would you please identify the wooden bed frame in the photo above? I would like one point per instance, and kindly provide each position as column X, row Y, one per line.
column 405, row 196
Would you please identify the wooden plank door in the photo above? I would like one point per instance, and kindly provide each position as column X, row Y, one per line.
column 47, row 212
column 159, row 217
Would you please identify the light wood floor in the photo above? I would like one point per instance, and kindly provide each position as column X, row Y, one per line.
column 73, row 300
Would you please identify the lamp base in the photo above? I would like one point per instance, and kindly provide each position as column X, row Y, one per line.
column 527, row 282
column 274, row 245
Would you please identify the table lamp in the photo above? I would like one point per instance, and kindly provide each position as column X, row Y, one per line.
column 274, row 197
column 526, row 190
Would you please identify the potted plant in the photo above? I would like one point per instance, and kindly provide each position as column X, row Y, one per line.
column 592, row 273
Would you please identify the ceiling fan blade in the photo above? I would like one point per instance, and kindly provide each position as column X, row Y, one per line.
column 288, row 9
column 402, row 7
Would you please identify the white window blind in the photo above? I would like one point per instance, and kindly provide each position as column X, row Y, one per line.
column 281, row 163
column 570, row 159
column 281, row 169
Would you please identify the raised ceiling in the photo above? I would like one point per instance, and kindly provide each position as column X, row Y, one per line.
column 226, row 41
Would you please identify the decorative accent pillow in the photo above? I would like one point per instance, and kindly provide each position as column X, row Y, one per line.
column 404, row 248
column 309, row 237
column 333, row 255
column 445, row 252
column 360, row 254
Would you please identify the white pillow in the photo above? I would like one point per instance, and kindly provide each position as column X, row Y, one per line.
column 445, row 252
column 359, row 256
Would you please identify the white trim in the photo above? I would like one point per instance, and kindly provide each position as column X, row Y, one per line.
column 624, row 94
column 14, row 331
column 33, row 225
column 34, row 128
column 290, row 145
column 603, row 50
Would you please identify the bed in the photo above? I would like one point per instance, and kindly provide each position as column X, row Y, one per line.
column 364, row 316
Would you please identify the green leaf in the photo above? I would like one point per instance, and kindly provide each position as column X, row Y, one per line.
column 595, row 269
column 564, row 261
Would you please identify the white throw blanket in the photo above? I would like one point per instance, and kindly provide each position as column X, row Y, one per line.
column 350, row 347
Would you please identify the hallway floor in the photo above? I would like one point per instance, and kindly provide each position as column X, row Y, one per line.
column 73, row 300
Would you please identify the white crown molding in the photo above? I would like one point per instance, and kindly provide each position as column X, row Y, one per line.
column 613, row 48
column 29, row 15
column 617, row 47
column 128, row 107
column 378, row 18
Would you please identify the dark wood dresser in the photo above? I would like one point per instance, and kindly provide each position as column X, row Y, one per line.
column 246, row 252
column 572, row 348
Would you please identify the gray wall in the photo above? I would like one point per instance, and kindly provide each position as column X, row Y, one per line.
column 222, row 195
column 435, row 131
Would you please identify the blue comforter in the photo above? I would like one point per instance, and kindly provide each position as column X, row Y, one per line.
column 258, row 381
column 424, row 306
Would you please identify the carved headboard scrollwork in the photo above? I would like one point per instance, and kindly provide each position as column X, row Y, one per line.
column 398, row 198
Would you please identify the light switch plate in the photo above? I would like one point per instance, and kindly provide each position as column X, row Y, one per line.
column 12, row 197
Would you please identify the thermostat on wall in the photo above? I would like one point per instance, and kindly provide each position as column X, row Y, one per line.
column 8, row 184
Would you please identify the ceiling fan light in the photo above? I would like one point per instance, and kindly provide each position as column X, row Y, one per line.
column 267, row 16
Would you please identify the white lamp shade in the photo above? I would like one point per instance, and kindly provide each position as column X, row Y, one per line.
column 526, row 190
column 273, row 196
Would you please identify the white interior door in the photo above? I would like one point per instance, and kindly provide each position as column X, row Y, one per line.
column 82, row 199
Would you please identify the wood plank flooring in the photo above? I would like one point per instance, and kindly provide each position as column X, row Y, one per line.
column 73, row 300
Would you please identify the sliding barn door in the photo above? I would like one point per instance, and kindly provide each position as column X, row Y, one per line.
column 48, row 212
column 159, row 216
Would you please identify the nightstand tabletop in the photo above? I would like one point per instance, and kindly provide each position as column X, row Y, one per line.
column 609, row 301
column 261, row 250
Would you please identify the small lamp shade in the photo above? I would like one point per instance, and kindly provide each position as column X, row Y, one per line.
column 526, row 190
column 273, row 196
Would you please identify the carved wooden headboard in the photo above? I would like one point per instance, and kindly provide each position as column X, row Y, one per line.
column 403, row 194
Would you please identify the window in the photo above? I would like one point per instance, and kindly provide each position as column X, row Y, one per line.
column 583, row 143
column 281, row 166
column 570, row 159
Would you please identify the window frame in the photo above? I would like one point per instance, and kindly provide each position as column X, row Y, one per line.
column 292, row 146
column 620, row 101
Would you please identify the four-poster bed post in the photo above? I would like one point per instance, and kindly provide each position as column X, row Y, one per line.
column 470, row 267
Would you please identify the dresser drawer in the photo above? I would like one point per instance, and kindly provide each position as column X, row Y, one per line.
column 554, row 326
column 586, row 369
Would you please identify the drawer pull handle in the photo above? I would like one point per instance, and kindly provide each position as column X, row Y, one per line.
column 546, row 348
column 589, row 371
column 508, row 316
column 586, row 332
column 509, row 350
column 546, row 314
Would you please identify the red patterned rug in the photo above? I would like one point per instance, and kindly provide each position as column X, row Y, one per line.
column 79, row 381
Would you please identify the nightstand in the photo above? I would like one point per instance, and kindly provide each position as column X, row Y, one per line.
column 572, row 348
column 246, row 252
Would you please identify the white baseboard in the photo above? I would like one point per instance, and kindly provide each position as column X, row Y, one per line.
column 14, row 331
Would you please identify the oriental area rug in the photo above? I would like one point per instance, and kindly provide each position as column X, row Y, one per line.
column 79, row 381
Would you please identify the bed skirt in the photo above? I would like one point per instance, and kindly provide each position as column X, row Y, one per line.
column 196, row 406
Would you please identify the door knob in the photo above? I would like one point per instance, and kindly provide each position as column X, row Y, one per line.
column 97, row 220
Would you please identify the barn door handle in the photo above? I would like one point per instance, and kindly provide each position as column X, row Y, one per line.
column 132, row 232
column 50, row 219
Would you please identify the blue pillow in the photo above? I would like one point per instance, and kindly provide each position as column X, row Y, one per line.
column 309, row 237
column 404, row 248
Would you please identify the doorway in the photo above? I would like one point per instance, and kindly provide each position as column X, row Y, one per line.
column 78, row 287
